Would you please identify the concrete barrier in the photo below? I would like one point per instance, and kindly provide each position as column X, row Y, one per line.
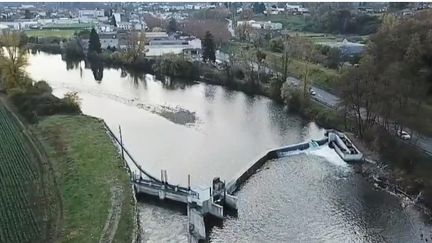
column 238, row 180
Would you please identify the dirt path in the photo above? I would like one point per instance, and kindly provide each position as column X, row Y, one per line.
column 111, row 224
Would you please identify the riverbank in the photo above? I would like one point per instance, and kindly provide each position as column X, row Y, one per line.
column 98, row 202
column 325, row 117
column 389, row 163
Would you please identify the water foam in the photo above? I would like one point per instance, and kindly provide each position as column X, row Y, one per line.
column 330, row 155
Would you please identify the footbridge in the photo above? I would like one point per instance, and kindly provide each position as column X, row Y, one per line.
column 212, row 201
column 200, row 203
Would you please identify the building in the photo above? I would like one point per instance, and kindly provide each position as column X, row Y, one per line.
column 109, row 39
column 156, row 35
column 261, row 24
column 91, row 13
column 3, row 28
column 105, row 28
column 124, row 25
column 117, row 17
column 190, row 46
column 346, row 47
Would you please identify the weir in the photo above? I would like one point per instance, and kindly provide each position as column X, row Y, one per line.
column 211, row 201
column 200, row 202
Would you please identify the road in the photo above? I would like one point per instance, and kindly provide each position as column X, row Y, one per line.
column 418, row 140
column 421, row 141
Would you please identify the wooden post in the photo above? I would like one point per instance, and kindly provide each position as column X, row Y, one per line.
column 189, row 181
column 166, row 177
column 162, row 176
column 121, row 142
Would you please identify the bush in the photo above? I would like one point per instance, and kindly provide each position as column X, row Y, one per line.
column 73, row 50
column 276, row 45
column 177, row 67
column 38, row 101
column 49, row 48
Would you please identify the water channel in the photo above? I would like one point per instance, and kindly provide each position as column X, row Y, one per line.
column 207, row 131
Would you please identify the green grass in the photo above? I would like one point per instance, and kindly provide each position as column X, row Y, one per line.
column 320, row 76
column 297, row 24
column 22, row 202
column 290, row 22
column 67, row 33
column 87, row 166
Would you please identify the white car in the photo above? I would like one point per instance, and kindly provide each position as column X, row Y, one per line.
column 312, row 92
column 403, row 135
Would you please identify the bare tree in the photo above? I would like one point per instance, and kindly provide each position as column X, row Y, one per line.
column 135, row 45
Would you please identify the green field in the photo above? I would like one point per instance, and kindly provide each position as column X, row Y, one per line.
column 63, row 33
column 22, row 204
column 319, row 75
column 93, row 182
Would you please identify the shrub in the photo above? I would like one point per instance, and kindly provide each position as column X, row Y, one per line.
column 38, row 100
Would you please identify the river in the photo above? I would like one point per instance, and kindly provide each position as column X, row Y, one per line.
column 207, row 131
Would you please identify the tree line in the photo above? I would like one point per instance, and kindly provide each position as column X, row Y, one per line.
column 394, row 78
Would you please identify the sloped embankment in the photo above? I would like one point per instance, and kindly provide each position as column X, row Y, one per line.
column 98, row 204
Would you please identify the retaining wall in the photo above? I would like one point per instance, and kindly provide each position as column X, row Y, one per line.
column 235, row 184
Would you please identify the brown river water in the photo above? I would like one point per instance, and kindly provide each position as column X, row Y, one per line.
column 207, row 131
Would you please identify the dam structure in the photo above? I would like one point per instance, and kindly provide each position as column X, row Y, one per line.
column 211, row 201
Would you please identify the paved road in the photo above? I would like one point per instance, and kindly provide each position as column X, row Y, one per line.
column 420, row 141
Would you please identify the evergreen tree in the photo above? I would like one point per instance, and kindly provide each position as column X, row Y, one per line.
column 259, row 8
column 209, row 50
column 94, row 42
column 113, row 21
column 172, row 26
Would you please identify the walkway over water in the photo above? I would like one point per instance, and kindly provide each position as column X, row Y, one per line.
column 200, row 202
column 211, row 201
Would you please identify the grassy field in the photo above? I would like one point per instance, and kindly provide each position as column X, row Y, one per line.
column 66, row 33
column 97, row 196
column 24, row 214
column 321, row 76
column 297, row 24
column 290, row 22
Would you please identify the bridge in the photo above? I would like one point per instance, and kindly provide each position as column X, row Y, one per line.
column 200, row 202
column 212, row 201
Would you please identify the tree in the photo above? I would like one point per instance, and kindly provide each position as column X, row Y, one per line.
column 94, row 42
column 13, row 60
column 28, row 14
column 303, row 49
column 209, row 50
column 113, row 21
column 258, row 8
column 172, row 26
column 135, row 46
column 243, row 32
column 199, row 28
column 260, row 57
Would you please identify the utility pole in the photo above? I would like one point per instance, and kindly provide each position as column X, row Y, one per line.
column 121, row 143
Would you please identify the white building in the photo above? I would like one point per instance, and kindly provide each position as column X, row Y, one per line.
column 105, row 28
column 91, row 13
column 261, row 24
column 117, row 17
column 161, row 47
column 124, row 25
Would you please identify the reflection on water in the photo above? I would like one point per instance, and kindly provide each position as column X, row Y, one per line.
column 230, row 130
column 297, row 199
